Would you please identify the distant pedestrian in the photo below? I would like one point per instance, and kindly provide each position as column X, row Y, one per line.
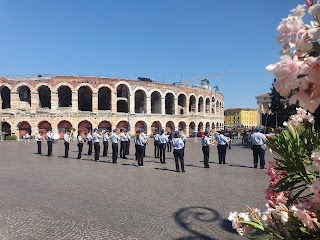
column 163, row 141
column 114, row 138
column 222, row 145
column 39, row 139
column 105, row 143
column 156, row 144
column 123, row 145
column 140, row 142
column 96, row 137
column 178, row 145
column 66, row 139
column 80, row 144
column 258, row 140
column 89, row 140
column 49, row 138
column 206, row 149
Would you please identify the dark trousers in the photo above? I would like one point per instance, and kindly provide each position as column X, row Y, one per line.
column 123, row 149
column 49, row 143
column 90, row 148
column 128, row 147
column 80, row 146
column 169, row 146
column 96, row 151
column 66, row 149
column 184, row 148
column 206, row 153
column 139, row 154
column 156, row 148
column 39, row 147
column 258, row 151
column 105, row 148
column 178, row 155
column 222, row 150
column 144, row 150
column 115, row 150
column 162, row 147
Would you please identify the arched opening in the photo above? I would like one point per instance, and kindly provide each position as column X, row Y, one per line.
column 141, row 125
column 5, row 97
column 192, row 128
column 213, row 126
column 63, row 126
column 140, row 102
column 105, row 125
column 44, row 127
column 122, row 125
column 24, row 128
column 24, row 94
column 207, row 105
column 207, row 126
column 156, row 125
column 104, row 98
column 212, row 105
column 123, row 98
column 169, row 104
column 182, row 103
column 217, row 127
column 156, row 102
column 85, row 98
column 85, row 126
column 217, row 107
column 122, row 106
column 221, row 126
column 65, row 96
column 182, row 126
column 6, row 130
column 200, row 104
column 170, row 127
column 44, row 93
column 192, row 104
column 200, row 127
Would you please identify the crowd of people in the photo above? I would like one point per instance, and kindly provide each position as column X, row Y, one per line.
column 163, row 142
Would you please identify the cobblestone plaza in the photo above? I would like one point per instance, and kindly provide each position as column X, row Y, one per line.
column 57, row 198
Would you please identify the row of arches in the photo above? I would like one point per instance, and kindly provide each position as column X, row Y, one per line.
column 24, row 127
column 83, row 98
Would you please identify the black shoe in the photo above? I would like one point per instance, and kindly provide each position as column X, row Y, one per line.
column 177, row 170
column 255, row 166
column 183, row 171
column 224, row 163
column 125, row 158
column 220, row 163
column 262, row 167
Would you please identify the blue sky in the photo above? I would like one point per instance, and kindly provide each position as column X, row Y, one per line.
column 161, row 40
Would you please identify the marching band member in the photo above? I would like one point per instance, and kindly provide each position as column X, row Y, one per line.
column 96, row 141
column 115, row 140
column 66, row 139
column 178, row 151
column 80, row 144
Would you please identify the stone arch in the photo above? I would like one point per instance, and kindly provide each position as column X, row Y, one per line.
column 212, row 105
column 44, row 94
column 105, row 125
column 24, row 94
column 63, row 126
column 104, row 98
column 85, row 98
column 170, row 127
column 64, row 96
column 192, row 103
column 200, row 127
column 21, row 84
column 207, row 126
column 182, row 103
column 141, row 125
column 207, row 105
column 213, row 127
column 217, row 126
column 140, row 101
column 182, row 126
column 217, row 107
column 123, row 98
column 192, row 128
column 24, row 127
column 169, row 103
column 122, row 125
column 44, row 127
column 84, row 85
column 56, row 87
column 85, row 126
column 200, row 104
column 156, row 125
column 6, row 129
column 5, row 93
column 156, row 102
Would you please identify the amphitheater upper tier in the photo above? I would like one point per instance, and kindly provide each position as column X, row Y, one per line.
column 65, row 102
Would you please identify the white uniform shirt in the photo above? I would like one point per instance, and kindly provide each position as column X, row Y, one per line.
column 114, row 138
column 66, row 137
column 89, row 137
column 49, row 137
column 177, row 143
column 163, row 138
column 123, row 137
column 140, row 141
column 205, row 141
column 156, row 137
column 105, row 137
column 96, row 137
column 39, row 137
column 258, row 138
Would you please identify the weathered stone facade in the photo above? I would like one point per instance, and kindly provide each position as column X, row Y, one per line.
column 57, row 103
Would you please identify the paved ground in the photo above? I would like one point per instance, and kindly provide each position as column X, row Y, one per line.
column 57, row 198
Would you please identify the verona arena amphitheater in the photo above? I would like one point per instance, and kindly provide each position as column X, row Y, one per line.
column 43, row 103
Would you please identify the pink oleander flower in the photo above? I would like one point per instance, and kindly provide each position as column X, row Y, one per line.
column 315, row 156
column 312, row 70
column 271, row 172
column 314, row 10
column 281, row 198
column 288, row 30
column 234, row 218
column 315, row 187
column 247, row 230
column 299, row 11
column 284, row 216
column 270, row 195
column 305, row 217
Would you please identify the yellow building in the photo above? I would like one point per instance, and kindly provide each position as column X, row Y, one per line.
column 245, row 117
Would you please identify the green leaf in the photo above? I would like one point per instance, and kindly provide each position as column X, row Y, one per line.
column 253, row 224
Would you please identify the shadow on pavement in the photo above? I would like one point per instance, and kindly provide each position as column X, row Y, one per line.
column 165, row 169
column 197, row 221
